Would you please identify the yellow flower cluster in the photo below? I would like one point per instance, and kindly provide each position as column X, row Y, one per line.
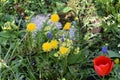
column 3, row 0
column 27, row 18
column 76, row 18
column 77, row 50
column 117, row 61
column 67, row 26
column 9, row 26
column 55, row 18
column 48, row 46
column 31, row 27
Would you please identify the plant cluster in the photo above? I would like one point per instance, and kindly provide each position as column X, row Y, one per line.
column 75, row 40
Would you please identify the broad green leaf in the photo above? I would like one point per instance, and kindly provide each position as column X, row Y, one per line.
column 3, row 41
column 76, row 58
column 4, row 34
column 113, row 54
column 67, row 9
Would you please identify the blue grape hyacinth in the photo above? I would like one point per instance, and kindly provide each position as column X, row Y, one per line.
column 105, row 49
column 49, row 35
column 63, row 38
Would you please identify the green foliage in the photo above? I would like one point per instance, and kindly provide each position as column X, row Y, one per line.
column 21, row 53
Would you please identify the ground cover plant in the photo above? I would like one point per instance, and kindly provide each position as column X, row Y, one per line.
column 59, row 39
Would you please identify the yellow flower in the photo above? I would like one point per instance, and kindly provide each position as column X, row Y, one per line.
column 26, row 18
column 6, row 28
column 31, row 27
column 3, row 0
column 77, row 50
column 54, row 44
column 116, row 61
column 46, row 47
column 64, row 50
column 56, row 55
column 76, row 18
column 54, row 18
column 67, row 26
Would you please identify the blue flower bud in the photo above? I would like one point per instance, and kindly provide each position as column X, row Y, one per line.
column 49, row 35
column 63, row 39
column 105, row 49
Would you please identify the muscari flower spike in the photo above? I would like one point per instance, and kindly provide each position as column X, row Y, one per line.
column 63, row 38
column 105, row 49
column 49, row 35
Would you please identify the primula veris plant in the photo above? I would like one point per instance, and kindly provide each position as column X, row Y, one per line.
column 117, row 61
column 103, row 65
column 58, row 39
column 55, row 18
column 31, row 27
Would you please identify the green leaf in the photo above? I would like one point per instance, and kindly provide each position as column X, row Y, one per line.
column 113, row 54
column 4, row 34
column 3, row 41
column 66, row 9
column 76, row 58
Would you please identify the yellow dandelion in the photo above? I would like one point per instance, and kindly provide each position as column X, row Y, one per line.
column 67, row 26
column 64, row 50
column 116, row 61
column 31, row 27
column 54, row 18
column 46, row 47
column 54, row 44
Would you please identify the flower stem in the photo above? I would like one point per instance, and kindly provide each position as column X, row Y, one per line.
column 103, row 78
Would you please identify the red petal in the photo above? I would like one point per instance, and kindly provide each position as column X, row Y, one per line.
column 99, row 71
column 105, row 68
column 102, row 60
column 110, row 68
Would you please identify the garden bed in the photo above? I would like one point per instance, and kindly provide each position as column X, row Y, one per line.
column 59, row 40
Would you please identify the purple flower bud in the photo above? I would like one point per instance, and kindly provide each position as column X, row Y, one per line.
column 105, row 49
column 49, row 35
column 63, row 39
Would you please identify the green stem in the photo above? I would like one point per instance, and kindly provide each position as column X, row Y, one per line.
column 103, row 78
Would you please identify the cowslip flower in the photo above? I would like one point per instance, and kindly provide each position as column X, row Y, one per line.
column 63, row 50
column 67, row 26
column 76, row 18
column 3, row 0
column 46, row 47
column 31, row 27
column 103, row 65
column 54, row 44
column 55, row 18
column 77, row 50
column 117, row 61
column 27, row 18
column 105, row 49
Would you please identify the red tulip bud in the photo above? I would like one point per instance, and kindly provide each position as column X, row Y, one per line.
column 103, row 65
